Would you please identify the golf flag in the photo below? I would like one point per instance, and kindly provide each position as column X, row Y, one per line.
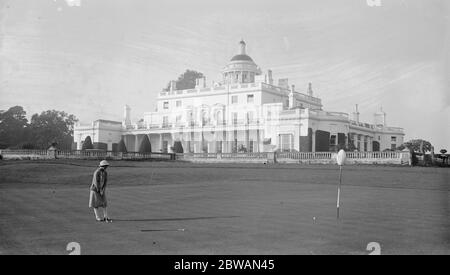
column 340, row 159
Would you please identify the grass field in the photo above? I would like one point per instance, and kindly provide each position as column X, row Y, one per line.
column 224, row 209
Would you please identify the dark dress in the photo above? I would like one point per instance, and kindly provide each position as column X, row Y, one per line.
column 97, row 196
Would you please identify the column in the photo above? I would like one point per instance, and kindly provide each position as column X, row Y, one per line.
column 313, row 140
column 136, row 143
column 291, row 142
column 247, row 139
column 258, row 141
column 130, row 143
column 161, row 142
column 358, row 143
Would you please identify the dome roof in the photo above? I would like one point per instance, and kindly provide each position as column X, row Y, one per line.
column 241, row 57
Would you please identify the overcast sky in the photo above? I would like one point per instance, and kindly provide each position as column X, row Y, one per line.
column 90, row 57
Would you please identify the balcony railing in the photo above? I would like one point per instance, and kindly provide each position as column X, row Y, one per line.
column 177, row 125
column 209, row 89
column 363, row 125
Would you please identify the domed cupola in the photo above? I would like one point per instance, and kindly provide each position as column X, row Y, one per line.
column 241, row 68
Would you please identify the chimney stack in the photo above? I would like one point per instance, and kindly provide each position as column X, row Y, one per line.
column 356, row 114
column 269, row 75
column 173, row 85
column 310, row 90
column 380, row 118
column 126, row 115
column 292, row 98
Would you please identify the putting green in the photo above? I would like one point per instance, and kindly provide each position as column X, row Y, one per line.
column 182, row 208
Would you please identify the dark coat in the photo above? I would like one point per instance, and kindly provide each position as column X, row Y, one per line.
column 97, row 196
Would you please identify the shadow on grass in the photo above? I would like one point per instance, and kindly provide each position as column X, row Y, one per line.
column 175, row 219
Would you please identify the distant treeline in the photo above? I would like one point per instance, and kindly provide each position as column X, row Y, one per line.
column 44, row 129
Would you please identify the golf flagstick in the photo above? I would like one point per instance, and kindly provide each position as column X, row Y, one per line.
column 339, row 190
column 340, row 159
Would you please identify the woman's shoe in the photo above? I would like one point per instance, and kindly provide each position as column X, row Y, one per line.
column 108, row 220
column 100, row 220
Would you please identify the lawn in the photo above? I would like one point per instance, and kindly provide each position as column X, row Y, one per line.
column 224, row 209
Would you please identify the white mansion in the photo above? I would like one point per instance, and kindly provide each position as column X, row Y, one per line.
column 246, row 112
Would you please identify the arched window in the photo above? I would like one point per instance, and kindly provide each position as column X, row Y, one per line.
column 219, row 117
column 204, row 118
column 190, row 118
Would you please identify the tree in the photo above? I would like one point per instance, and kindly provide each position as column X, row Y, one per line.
column 13, row 126
column 146, row 146
column 87, row 144
column 121, row 147
column 187, row 80
column 418, row 145
column 44, row 129
column 52, row 126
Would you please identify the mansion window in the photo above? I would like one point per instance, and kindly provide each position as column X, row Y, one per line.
column 191, row 119
column 235, row 118
column 166, row 105
column 249, row 117
column 204, row 119
column 219, row 117
column 250, row 146
column 393, row 147
column 333, row 140
column 165, row 121
column 178, row 103
column 219, row 146
column 178, row 119
column 250, row 98
column 234, row 99
column 285, row 142
column 393, row 139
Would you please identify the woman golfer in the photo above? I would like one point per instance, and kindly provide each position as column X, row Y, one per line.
column 97, row 198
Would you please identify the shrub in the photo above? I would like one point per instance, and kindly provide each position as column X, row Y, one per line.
column 121, row 147
column 414, row 159
column 87, row 144
column 114, row 147
column 178, row 147
column 28, row 146
column 146, row 146
column 100, row 146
